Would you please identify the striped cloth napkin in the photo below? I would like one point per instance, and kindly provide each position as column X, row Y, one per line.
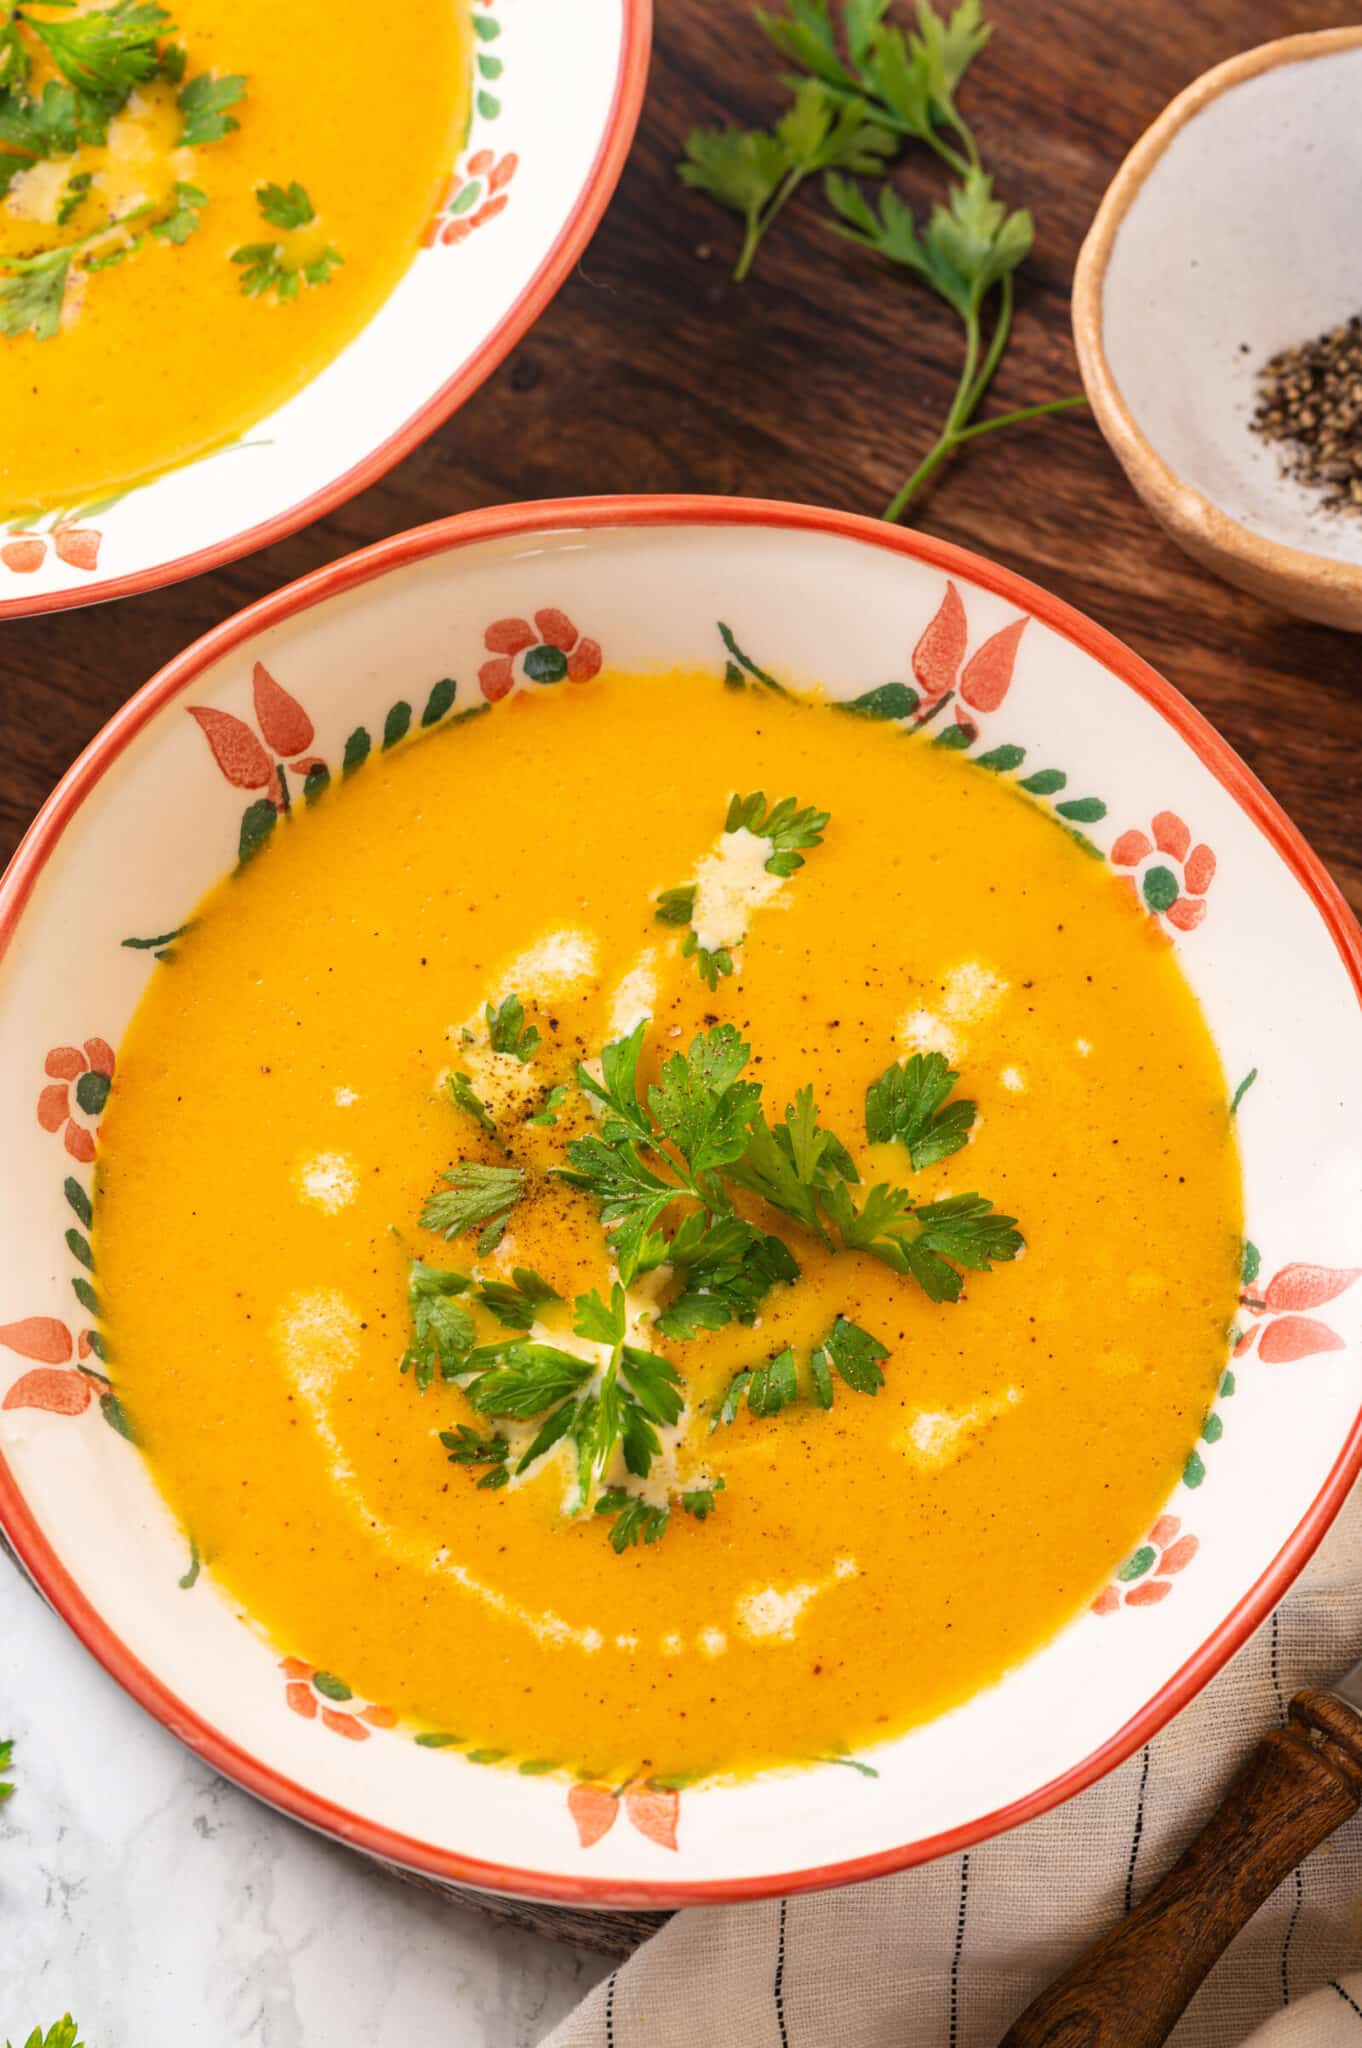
column 947, row 1956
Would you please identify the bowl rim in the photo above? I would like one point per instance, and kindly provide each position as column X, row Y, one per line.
column 1195, row 519
column 625, row 513
column 598, row 188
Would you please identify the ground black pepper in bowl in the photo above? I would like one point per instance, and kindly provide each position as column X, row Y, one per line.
column 1311, row 402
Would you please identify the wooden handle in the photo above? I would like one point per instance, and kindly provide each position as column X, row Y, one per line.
column 1128, row 1991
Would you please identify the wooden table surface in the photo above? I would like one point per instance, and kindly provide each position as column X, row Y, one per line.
column 820, row 379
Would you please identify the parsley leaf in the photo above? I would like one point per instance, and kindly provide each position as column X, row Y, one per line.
column 265, row 268
column 516, row 1305
column 204, row 103
column 788, row 828
column 468, row 1447
column 6, row 1764
column 74, row 193
column 32, row 301
column 506, row 1029
column 553, row 1102
column 909, row 1103
column 442, row 1330
column 635, row 1519
column 676, row 906
column 701, row 1105
column 475, row 1197
column 854, row 1354
column 794, row 1164
column 775, row 1385
column 31, row 128
column 755, row 172
column 179, row 225
column 285, row 206
column 462, row 1096
column 964, row 1229
column 699, row 1500
column 105, row 52
column 728, row 1268
column 528, row 1379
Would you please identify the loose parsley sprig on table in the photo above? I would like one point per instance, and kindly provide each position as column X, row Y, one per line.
column 900, row 89
column 6, row 1765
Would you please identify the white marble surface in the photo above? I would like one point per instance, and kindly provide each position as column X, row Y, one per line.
column 162, row 1906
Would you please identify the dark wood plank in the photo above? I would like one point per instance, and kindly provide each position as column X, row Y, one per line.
column 822, row 380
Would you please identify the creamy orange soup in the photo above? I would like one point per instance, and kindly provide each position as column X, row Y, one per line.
column 283, row 1112
column 158, row 352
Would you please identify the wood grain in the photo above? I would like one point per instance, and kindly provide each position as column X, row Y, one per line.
column 819, row 379
column 1131, row 1988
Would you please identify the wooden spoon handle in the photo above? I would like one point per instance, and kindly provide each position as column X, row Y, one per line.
column 1128, row 1991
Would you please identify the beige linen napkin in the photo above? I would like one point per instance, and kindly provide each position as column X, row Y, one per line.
column 946, row 1956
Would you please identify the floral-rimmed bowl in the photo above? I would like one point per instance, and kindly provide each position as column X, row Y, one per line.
column 362, row 656
column 556, row 95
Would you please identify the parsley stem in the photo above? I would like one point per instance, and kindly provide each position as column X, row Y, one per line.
column 48, row 259
column 759, row 222
column 1025, row 412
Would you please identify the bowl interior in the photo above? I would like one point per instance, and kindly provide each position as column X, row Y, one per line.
column 149, row 819
column 556, row 93
column 1238, row 243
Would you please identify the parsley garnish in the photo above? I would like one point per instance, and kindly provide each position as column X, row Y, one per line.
column 73, row 196
column 517, row 1302
column 266, row 266
column 285, row 206
column 461, row 1094
column 468, row 1447
column 104, row 53
column 475, row 1197
column 553, row 1102
column 909, row 1103
column 869, row 90
column 790, row 831
column 442, row 1330
column 507, row 1030
column 846, row 1349
column 204, row 103
column 32, row 301
column 6, row 1764
column 788, row 828
column 702, row 1132
column 178, row 226
column 102, row 56
column 636, row 1520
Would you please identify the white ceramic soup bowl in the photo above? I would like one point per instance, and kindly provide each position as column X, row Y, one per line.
column 556, row 94
column 405, row 635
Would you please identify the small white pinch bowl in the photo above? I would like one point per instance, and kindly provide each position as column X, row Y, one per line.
column 367, row 654
column 1230, row 232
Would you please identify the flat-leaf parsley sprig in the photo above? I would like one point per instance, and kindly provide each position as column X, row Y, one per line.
column 868, row 76
column 669, row 1165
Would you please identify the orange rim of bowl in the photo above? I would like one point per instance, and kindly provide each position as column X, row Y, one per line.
column 597, row 190
column 1186, row 510
column 594, row 514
